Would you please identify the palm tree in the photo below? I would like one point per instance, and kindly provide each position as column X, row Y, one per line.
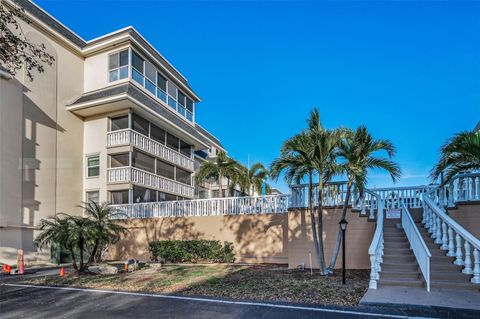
column 105, row 230
column 82, row 233
column 296, row 162
column 217, row 169
column 254, row 177
column 56, row 230
column 357, row 155
column 323, row 160
column 459, row 154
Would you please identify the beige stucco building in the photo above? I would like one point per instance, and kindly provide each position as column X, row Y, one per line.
column 111, row 120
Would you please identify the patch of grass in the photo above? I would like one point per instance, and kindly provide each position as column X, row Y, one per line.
column 258, row 282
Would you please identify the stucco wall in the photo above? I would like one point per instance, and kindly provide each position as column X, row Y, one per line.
column 269, row 238
column 468, row 215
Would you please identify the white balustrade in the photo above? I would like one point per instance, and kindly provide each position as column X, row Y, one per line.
column 417, row 244
column 140, row 141
column 268, row 204
column 377, row 246
column 462, row 188
column 393, row 197
column 128, row 174
column 447, row 232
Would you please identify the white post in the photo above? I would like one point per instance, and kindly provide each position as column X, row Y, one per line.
column 373, row 275
column 438, row 237
column 459, row 260
column 451, row 244
column 450, row 195
column 433, row 223
column 468, row 261
column 477, row 186
column 444, row 236
column 476, row 269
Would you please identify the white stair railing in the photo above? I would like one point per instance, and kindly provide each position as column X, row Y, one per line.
column 376, row 247
column 417, row 244
column 463, row 187
column 452, row 237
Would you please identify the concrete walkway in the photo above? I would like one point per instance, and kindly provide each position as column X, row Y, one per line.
column 459, row 299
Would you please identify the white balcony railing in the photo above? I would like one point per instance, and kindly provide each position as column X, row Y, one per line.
column 129, row 174
column 144, row 143
column 269, row 204
column 395, row 197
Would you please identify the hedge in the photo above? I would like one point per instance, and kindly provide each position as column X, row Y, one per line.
column 176, row 251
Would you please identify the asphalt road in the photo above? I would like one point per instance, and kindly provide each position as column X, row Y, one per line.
column 32, row 302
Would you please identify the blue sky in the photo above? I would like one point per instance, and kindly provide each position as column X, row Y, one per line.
column 409, row 71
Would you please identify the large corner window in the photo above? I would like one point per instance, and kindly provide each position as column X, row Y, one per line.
column 119, row 123
column 161, row 87
column 119, row 197
column 119, row 160
column 118, row 66
column 183, row 176
column 93, row 166
column 165, row 170
column 137, row 68
column 172, row 95
column 143, row 161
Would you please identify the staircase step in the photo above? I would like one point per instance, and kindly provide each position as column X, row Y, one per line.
column 399, row 267
column 397, row 251
column 395, row 244
column 455, row 276
column 400, row 283
column 399, row 275
column 455, row 285
column 445, row 267
column 399, row 259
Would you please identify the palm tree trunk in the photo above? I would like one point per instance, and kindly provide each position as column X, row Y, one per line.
column 94, row 252
column 336, row 249
column 312, row 217
column 74, row 261
column 81, row 245
column 323, row 270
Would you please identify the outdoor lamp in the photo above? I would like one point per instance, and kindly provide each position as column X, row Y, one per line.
column 343, row 226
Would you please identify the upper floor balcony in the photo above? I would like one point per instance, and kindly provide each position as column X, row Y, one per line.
column 144, row 143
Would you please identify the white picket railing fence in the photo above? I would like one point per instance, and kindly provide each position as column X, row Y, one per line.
column 462, row 188
column 395, row 197
column 417, row 244
column 268, row 204
column 140, row 141
column 128, row 174
column 377, row 246
column 453, row 238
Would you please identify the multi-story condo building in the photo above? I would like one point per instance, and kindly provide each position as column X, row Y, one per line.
column 111, row 120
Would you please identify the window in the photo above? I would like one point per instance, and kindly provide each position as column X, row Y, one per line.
column 165, row 170
column 172, row 142
column 137, row 71
column 172, row 95
column 140, row 124
column 143, row 161
column 183, row 176
column 118, row 66
column 150, row 74
column 189, row 105
column 162, row 197
column 157, row 133
column 119, row 197
column 143, row 195
column 119, row 123
column 93, row 196
column 185, row 148
column 93, row 166
column 181, row 98
column 119, row 160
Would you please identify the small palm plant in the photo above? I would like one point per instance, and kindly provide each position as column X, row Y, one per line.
column 57, row 230
column 105, row 229
column 357, row 154
column 255, row 176
column 459, row 154
column 222, row 167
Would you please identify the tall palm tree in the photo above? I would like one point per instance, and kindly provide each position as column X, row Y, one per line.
column 459, row 154
column 357, row 154
column 105, row 230
column 322, row 155
column 296, row 162
column 56, row 230
column 217, row 169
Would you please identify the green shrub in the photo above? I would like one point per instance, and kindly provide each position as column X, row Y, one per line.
column 176, row 251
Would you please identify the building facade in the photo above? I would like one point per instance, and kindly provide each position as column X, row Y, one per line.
column 111, row 120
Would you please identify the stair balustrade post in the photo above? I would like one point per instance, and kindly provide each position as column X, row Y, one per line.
column 424, row 216
column 438, row 237
column 433, row 229
column 469, row 188
column 468, row 260
column 451, row 243
column 444, row 236
column 363, row 212
column 459, row 256
column 373, row 275
column 477, row 186
column 451, row 202
column 476, row 269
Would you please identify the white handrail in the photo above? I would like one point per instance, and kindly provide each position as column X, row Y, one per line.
column 417, row 244
column 449, row 234
column 376, row 247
